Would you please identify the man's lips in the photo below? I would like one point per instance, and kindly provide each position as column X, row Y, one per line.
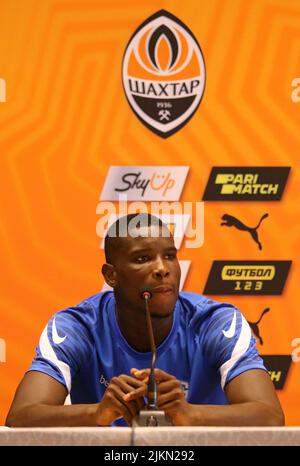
column 163, row 289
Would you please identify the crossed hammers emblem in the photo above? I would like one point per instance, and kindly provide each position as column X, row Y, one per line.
column 164, row 115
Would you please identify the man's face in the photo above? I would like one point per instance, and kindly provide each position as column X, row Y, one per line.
column 148, row 262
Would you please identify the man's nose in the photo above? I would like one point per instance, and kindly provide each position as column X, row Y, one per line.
column 160, row 270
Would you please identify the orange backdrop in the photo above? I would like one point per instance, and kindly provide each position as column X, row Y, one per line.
column 66, row 120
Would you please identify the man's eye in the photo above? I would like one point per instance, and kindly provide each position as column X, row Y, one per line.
column 142, row 258
column 171, row 255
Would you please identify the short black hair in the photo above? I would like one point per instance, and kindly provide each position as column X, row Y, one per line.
column 122, row 227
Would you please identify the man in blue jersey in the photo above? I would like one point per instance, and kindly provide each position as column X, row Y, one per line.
column 208, row 369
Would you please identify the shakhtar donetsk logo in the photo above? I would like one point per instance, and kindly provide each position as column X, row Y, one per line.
column 163, row 73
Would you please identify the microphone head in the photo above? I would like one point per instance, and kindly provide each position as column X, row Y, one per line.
column 146, row 292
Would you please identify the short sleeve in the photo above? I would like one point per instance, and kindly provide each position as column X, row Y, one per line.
column 63, row 347
column 229, row 344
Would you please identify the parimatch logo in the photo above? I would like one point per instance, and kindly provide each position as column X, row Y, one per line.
column 246, row 183
column 247, row 277
column 278, row 366
column 163, row 73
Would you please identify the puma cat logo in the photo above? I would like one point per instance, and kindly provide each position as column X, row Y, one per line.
column 230, row 221
column 255, row 328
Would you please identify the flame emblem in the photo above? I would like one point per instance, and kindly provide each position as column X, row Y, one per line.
column 163, row 73
column 163, row 48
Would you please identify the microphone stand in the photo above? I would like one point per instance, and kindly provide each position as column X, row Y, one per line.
column 152, row 416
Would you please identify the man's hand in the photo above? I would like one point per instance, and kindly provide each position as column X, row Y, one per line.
column 113, row 405
column 170, row 396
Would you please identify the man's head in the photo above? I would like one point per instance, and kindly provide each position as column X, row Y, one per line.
column 140, row 254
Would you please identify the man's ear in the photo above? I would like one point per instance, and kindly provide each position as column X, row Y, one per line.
column 109, row 274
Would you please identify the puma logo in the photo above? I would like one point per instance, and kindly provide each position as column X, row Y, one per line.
column 255, row 328
column 230, row 221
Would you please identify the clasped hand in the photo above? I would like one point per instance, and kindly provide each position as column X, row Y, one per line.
column 124, row 398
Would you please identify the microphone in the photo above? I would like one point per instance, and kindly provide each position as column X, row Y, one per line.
column 152, row 416
column 152, row 386
column 146, row 295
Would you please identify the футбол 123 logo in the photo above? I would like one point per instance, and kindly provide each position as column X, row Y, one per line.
column 163, row 73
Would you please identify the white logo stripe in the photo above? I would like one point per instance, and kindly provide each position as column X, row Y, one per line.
column 240, row 348
column 48, row 353
column 56, row 338
column 231, row 331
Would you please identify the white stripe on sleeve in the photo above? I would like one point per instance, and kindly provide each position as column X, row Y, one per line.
column 48, row 353
column 240, row 348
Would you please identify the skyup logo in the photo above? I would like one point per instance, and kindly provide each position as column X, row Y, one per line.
column 163, row 73
column 151, row 183
column 246, row 183
column 247, row 277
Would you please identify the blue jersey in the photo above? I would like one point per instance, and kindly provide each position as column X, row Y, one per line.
column 209, row 344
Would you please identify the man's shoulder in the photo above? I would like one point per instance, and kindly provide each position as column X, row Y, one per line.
column 98, row 301
column 199, row 308
column 199, row 302
column 193, row 299
column 88, row 310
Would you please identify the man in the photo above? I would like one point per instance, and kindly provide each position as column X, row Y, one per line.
column 99, row 350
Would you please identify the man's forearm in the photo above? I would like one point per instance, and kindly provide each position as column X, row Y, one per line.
column 53, row 416
column 244, row 414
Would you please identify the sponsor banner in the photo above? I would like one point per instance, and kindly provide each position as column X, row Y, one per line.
column 246, row 183
column 278, row 367
column 145, row 183
column 184, row 266
column 247, row 277
column 177, row 224
column 163, row 73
